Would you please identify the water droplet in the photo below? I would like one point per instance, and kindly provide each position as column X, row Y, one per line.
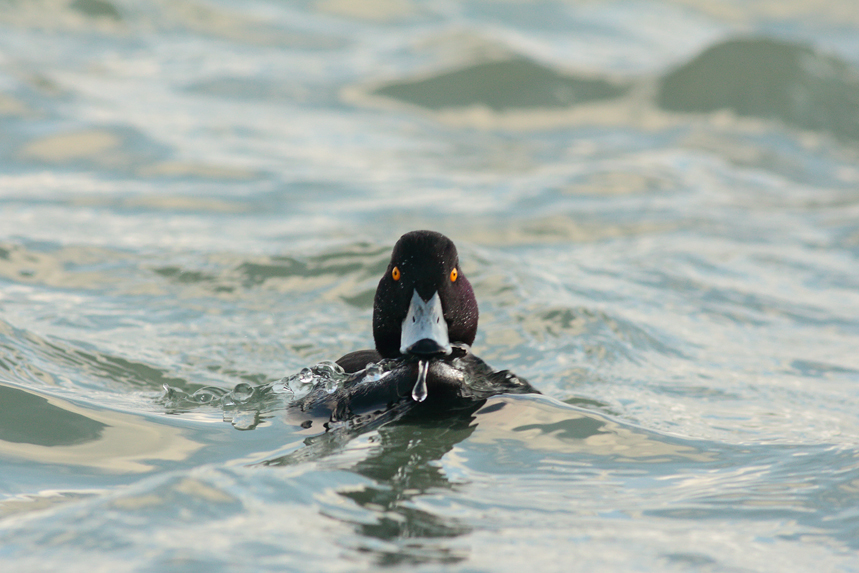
column 242, row 393
column 328, row 368
column 305, row 376
column 245, row 420
column 282, row 386
column 419, row 392
column 373, row 373
column 302, row 383
column 173, row 394
column 331, row 385
column 207, row 395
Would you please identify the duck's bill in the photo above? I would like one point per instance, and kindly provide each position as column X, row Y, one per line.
column 424, row 330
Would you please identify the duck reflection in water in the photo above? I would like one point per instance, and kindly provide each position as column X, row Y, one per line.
column 402, row 464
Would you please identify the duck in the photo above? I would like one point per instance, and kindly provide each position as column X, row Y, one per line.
column 425, row 318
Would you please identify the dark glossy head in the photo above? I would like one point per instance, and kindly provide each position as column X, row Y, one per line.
column 425, row 262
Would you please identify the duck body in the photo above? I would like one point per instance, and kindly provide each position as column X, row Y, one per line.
column 460, row 381
column 424, row 320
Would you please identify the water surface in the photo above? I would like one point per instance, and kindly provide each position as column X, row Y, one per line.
column 656, row 203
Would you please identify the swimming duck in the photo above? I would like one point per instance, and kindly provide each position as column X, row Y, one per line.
column 424, row 322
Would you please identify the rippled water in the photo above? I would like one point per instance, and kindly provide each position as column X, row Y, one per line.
column 656, row 202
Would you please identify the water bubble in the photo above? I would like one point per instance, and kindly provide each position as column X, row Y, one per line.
column 242, row 393
column 373, row 373
column 207, row 395
column 328, row 369
column 302, row 383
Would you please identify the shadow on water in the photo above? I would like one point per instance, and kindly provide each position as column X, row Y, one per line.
column 48, row 430
column 507, row 84
column 31, row 419
column 769, row 79
column 752, row 77
column 96, row 9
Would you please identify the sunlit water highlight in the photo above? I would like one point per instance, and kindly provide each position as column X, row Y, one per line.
column 197, row 200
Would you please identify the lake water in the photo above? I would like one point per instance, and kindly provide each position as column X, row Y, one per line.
column 657, row 204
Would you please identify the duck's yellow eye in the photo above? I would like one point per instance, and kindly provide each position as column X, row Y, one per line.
column 395, row 274
column 453, row 275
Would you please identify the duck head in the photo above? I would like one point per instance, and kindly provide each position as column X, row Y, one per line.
column 423, row 303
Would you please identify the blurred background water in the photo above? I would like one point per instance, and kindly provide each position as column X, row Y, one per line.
column 656, row 202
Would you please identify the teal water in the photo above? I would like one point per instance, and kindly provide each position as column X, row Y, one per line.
column 657, row 204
